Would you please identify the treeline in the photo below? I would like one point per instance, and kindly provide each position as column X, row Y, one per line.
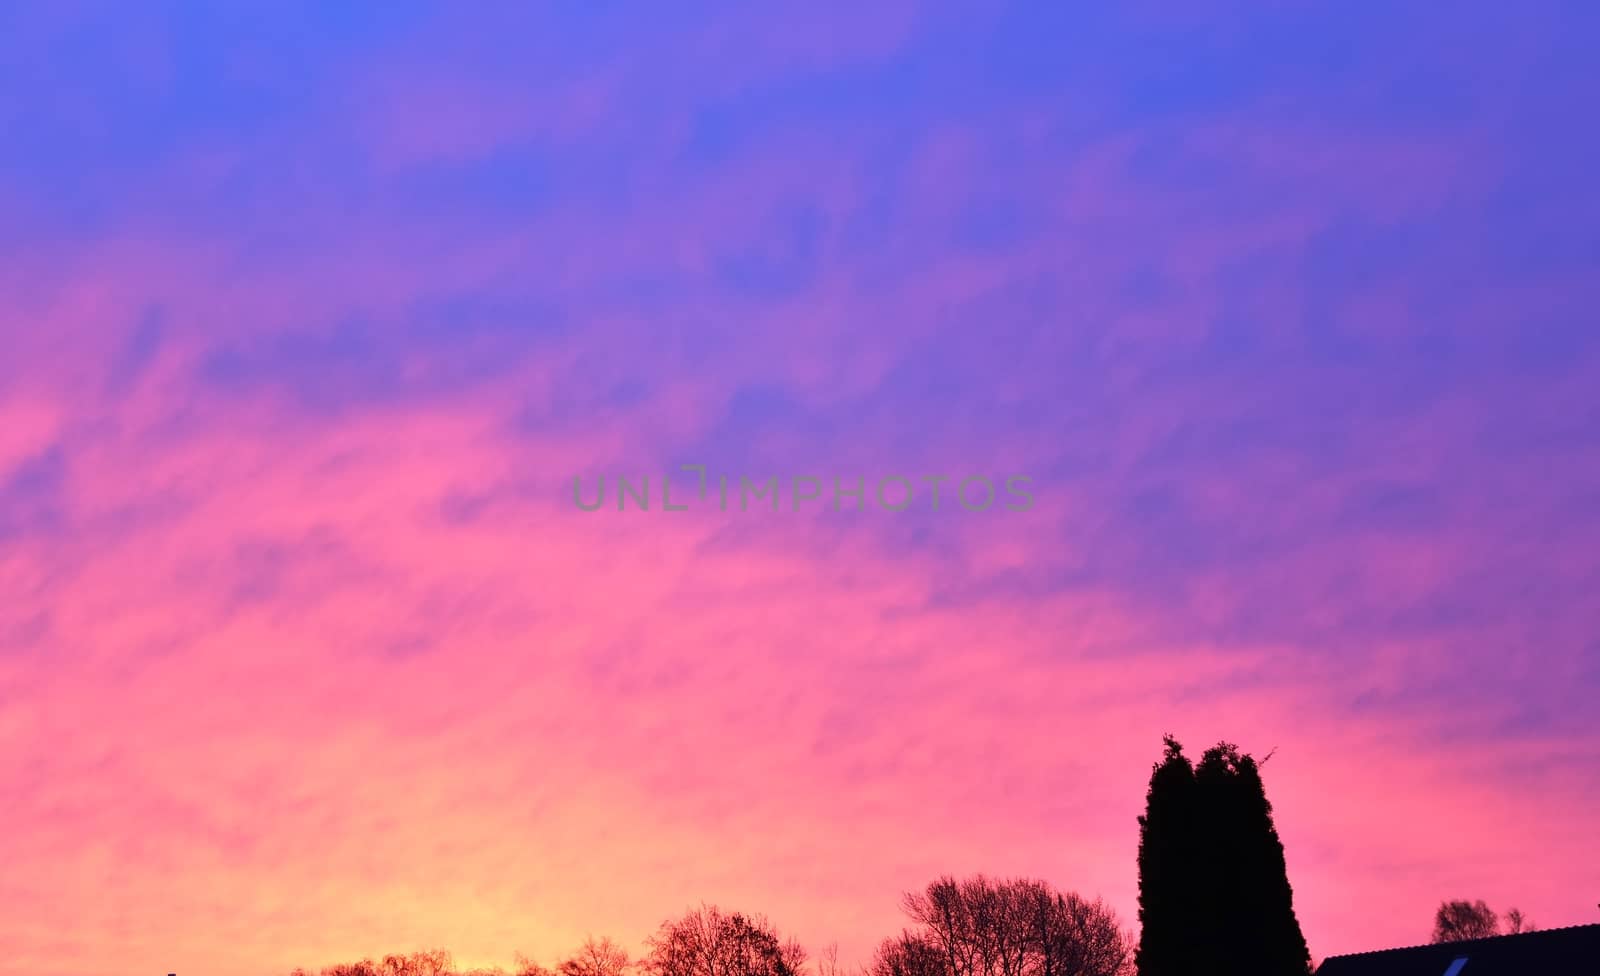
column 973, row 927
column 1214, row 898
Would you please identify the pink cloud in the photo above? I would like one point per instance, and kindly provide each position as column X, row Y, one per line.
column 292, row 684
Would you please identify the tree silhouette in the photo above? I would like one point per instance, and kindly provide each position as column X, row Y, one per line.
column 433, row 962
column 1458, row 921
column 828, row 963
column 529, row 967
column 428, row 962
column 709, row 942
column 1170, row 906
column 1248, row 880
column 596, row 957
column 1021, row 927
column 1214, row 894
column 909, row 955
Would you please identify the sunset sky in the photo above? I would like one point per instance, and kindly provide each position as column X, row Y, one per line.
column 312, row 312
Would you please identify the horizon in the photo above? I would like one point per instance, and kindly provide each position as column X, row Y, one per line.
column 319, row 318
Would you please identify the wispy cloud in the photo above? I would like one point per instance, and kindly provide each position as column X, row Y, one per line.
column 305, row 652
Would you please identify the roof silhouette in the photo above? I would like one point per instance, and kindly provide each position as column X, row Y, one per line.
column 1574, row 949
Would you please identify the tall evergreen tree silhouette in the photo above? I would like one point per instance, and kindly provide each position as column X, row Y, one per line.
column 1214, row 895
column 1169, row 911
column 1247, row 881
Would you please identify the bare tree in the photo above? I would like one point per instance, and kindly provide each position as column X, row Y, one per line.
column 596, row 957
column 910, row 954
column 1516, row 922
column 528, row 967
column 1458, row 921
column 828, row 963
column 710, row 942
column 981, row 927
column 430, row 962
column 1074, row 937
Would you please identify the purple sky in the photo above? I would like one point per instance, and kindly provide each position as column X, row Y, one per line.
column 313, row 313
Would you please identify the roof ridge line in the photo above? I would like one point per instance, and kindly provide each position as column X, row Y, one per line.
column 1463, row 942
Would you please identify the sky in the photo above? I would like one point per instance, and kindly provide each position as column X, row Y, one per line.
column 314, row 312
